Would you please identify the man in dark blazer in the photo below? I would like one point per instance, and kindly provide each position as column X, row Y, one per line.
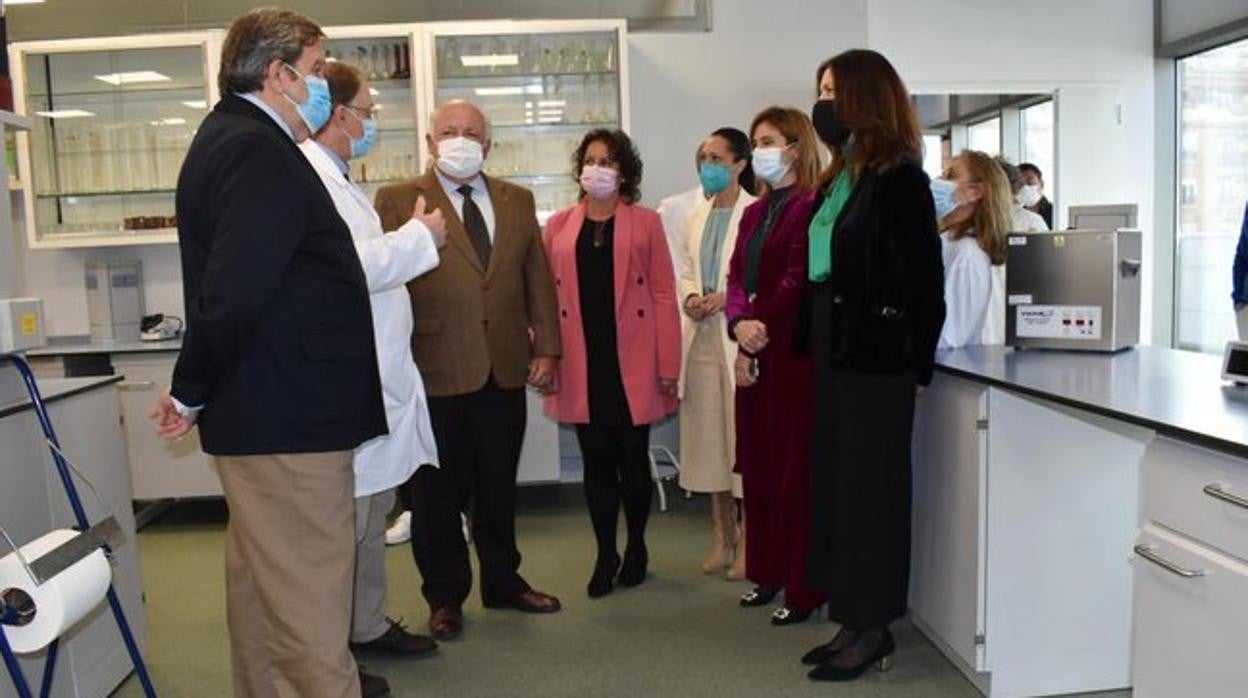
column 485, row 326
column 278, row 366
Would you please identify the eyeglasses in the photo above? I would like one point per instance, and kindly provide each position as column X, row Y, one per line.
column 369, row 112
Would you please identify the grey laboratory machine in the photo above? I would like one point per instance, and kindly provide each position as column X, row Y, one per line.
column 1073, row 289
column 115, row 299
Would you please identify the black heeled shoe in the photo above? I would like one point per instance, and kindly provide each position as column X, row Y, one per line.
column 818, row 655
column 633, row 572
column 785, row 615
column 760, row 595
column 603, row 580
column 881, row 658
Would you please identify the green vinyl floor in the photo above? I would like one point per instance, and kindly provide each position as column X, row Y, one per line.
column 679, row 634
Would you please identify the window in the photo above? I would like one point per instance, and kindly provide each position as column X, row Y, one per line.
column 932, row 155
column 1213, row 177
column 1038, row 141
column 985, row 136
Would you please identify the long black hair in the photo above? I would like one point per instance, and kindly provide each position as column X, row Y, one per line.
column 739, row 144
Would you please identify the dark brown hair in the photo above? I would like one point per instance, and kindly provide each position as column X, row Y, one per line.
column 797, row 130
column 344, row 82
column 257, row 39
column 873, row 102
column 620, row 149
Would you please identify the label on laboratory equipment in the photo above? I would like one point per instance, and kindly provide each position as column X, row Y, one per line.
column 1058, row 322
column 1018, row 240
column 1020, row 299
column 30, row 324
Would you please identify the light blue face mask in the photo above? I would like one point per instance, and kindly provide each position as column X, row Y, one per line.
column 942, row 196
column 715, row 178
column 314, row 110
column 362, row 145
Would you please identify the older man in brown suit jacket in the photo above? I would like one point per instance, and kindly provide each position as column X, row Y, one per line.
column 485, row 326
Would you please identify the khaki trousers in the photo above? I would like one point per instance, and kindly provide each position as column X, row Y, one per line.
column 368, row 612
column 289, row 558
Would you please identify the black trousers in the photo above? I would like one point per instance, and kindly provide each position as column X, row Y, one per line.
column 860, row 488
column 479, row 439
column 617, row 472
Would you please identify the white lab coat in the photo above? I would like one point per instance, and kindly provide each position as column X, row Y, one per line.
column 674, row 213
column 968, row 285
column 690, row 279
column 389, row 262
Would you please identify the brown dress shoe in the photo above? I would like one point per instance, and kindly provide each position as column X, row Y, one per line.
column 446, row 622
column 396, row 641
column 373, row 686
column 530, row 601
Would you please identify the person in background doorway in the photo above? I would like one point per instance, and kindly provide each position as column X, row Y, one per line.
column 278, row 367
column 766, row 279
column 873, row 319
column 707, row 383
column 674, row 211
column 1032, row 194
column 621, row 344
column 972, row 246
column 389, row 262
column 485, row 326
column 1023, row 219
column 1239, row 292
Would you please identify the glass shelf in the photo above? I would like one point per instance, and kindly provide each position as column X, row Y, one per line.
column 86, row 194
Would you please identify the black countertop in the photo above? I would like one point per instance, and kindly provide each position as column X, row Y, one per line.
column 71, row 345
column 1177, row 393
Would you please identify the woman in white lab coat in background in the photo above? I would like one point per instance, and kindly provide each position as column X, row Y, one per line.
column 389, row 262
column 974, row 205
column 707, row 381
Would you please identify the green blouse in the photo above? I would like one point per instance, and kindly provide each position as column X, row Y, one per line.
column 820, row 232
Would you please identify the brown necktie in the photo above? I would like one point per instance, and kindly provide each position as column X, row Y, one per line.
column 474, row 223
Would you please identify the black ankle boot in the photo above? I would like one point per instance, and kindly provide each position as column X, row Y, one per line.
column 634, row 570
column 603, row 580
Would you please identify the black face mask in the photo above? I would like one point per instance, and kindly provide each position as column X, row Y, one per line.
column 832, row 131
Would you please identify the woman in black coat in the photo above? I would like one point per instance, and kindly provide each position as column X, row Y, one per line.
column 872, row 320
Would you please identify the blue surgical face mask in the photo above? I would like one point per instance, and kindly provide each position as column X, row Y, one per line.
column 362, row 145
column 769, row 164
column 942, row 196
column 715, row 178
column 314, row 110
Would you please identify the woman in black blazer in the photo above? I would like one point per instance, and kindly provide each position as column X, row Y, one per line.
column 872, row 319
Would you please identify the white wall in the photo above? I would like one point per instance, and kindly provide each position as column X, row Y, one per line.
column 1097, row 56
column 760, row 53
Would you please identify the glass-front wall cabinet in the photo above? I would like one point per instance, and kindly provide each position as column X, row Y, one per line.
column 110, row 130
column 542, row 87
column 114, row 117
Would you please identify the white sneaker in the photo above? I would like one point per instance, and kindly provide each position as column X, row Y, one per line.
column 401, row 531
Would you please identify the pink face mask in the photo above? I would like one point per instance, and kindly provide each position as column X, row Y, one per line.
column 599, row 182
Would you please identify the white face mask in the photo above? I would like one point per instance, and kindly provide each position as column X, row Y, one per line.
column 460, row 157
column 1029, row 196
column 769, row 164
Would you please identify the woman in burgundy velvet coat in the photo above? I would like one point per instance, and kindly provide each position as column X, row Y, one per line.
column 766, row 280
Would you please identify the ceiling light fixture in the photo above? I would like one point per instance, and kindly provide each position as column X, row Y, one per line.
column 65, row 113
column 133, row 77
column 490, row 61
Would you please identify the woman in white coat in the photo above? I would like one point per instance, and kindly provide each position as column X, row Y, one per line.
column 389, row 262
column 707, row 384
column 975, row 208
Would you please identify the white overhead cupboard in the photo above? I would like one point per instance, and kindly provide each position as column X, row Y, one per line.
column 113, row 117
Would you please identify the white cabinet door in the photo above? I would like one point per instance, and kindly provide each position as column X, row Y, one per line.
column 1191, row 609
column 539, row 458
column 1200, row 492
column 159, row 469
column 948, row 541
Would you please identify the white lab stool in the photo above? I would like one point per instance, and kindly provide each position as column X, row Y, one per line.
column 663, row 454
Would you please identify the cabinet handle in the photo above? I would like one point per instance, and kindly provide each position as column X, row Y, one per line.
column 136, row 385
column 1146, row 552
column 1218, row 492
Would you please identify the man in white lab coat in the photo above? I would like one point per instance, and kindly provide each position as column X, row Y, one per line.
column 389, row 262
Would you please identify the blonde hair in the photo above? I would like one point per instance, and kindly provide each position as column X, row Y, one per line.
column 994, row 212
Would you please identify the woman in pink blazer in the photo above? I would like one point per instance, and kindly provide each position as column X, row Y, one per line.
column 621, row 344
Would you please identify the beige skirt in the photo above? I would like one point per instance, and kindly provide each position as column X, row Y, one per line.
column 707, row 417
